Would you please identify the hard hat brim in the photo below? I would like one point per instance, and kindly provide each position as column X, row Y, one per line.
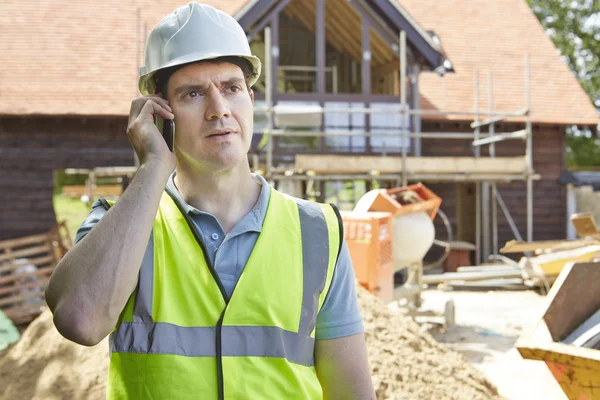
column 146, row 81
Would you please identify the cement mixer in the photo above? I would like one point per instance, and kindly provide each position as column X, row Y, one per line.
column 408, row 217
column 412, row 209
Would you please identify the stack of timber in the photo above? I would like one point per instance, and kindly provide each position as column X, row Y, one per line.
column 25, row 267
column 541, row 265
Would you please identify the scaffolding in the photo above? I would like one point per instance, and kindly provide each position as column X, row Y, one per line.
column 485, row 226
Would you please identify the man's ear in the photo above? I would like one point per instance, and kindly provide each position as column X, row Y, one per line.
column 251, row 92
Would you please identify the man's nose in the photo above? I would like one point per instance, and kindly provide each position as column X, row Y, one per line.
column 217, row 107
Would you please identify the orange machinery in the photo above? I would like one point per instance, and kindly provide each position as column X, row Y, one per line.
column 369, row 239
column 401, row 201
column 368, row 231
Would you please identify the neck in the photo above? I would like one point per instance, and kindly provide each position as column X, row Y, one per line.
column 228, row 195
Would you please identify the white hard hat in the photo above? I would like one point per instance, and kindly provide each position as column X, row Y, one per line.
column 194, row 32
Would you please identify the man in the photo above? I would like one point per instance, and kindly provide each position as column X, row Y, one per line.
column 210, row 283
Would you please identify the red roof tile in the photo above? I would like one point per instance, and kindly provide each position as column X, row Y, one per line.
column 493, row 35
column 65, row 57
column 76, row 57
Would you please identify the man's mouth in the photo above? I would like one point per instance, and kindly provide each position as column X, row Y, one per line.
column 221, row 133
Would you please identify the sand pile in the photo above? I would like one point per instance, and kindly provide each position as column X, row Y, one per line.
column 406, row 363
column 44, row 365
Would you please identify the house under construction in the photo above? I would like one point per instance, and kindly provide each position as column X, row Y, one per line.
column 470, row 98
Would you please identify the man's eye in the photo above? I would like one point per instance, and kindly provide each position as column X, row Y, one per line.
column 193, row 94
column 234, row 88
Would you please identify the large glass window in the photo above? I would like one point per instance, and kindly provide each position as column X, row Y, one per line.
column 343, row 48
column 297, row 48
column 385, row 67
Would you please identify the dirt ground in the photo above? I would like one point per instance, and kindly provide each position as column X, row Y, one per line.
column 487, row 327
column 406, row 363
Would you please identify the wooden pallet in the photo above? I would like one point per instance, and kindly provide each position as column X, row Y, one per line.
column 25, row 267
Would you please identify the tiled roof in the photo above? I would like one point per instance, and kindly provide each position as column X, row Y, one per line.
column 76, row 57
column 495, row 35
column 65, row 57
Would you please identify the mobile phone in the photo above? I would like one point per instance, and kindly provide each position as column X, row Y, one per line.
column 166, row 127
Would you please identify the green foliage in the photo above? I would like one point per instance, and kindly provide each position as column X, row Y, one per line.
column 574, row 26
column 582, row 151
column 61, row 178
column 74, row 211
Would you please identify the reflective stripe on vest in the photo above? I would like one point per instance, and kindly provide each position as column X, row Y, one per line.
column 232, row 337
column 249, row 341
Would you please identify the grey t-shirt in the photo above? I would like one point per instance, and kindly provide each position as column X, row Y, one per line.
column 229, row 254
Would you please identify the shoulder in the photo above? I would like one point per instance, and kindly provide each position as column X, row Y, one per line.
column 340, row 315
column 310, row 206
column 326, row 214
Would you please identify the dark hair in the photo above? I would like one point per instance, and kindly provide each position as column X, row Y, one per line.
column 161, row 77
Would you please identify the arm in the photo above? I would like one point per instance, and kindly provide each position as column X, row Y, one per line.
column 92, row 283
column 343, row 368
column 340, row 350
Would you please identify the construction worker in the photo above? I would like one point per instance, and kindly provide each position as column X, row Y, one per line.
column 211, row 283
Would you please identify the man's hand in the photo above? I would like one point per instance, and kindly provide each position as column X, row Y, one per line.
column 143, row 133
column 343, row 369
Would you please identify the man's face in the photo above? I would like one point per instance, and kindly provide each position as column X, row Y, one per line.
column 213, row 114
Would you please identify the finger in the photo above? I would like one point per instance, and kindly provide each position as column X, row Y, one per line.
column 138, row 104
column 152, row 108
column 163, row 102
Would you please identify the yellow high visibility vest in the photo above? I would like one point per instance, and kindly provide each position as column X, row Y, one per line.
column 181, row 337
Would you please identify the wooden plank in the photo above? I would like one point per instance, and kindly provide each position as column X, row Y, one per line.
column 10, row 289
column 20, row 298
column 25, row 308
column 576, row 300
column 45, row 248
column 33, row 261
column 584, row 224
column 336, row 164
column 572, row 300
column 26, row 313
column 515, row 246
column 471, row 276
column 12, row 243
column 12, row 278
column 98, row 191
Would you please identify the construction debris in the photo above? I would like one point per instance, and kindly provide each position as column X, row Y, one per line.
column 406, row 362
column 543, row 261
column 566, row 336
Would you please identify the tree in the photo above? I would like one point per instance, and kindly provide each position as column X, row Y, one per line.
column 574, row 27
